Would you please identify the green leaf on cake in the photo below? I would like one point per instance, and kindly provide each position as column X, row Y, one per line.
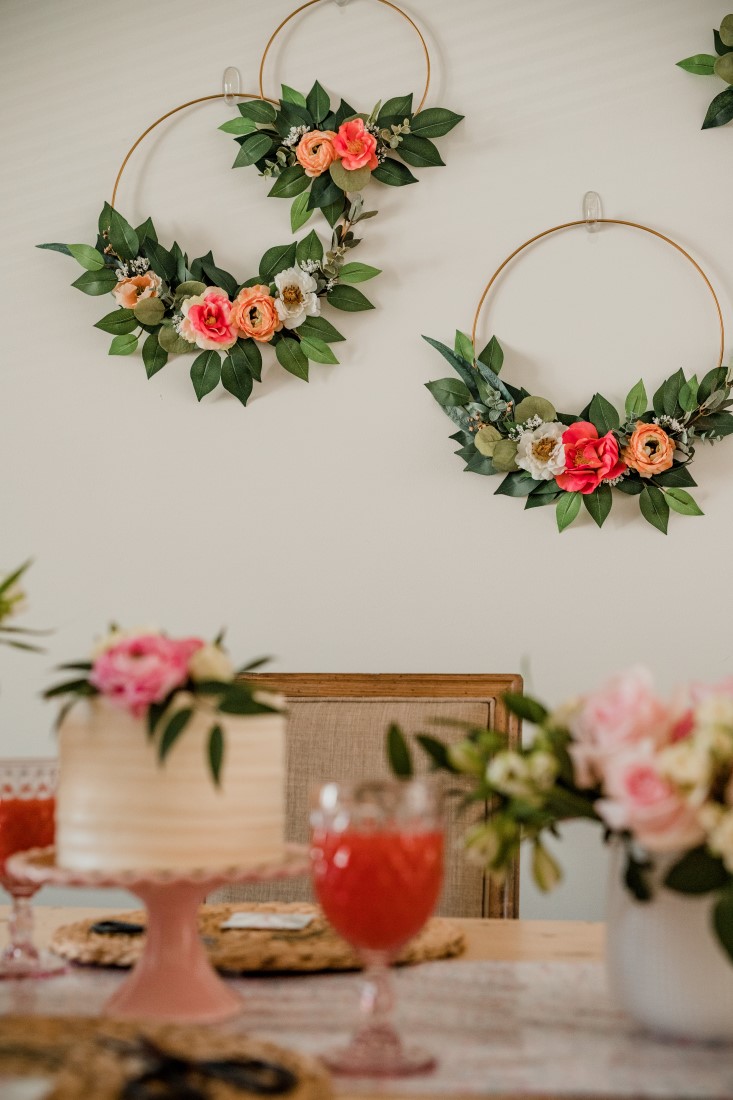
column 216, row 753
column 173, row 731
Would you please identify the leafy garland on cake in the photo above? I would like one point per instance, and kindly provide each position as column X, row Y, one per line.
column 165, row 680
column 175, row 306
column 318, row 155
column 564, row 459
column 720, row 110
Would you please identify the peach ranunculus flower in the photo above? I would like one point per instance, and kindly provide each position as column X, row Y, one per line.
column 207, row 320
column 355, row 145
column 254, row 313
column 315, row 151
column 129, row 292
column 649, row 451
column 588, row 459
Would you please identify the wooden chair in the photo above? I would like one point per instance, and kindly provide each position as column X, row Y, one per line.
column 336, row 731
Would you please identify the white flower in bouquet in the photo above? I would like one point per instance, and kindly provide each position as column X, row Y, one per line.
column 510, row 774
column 297, row 297
column 545, row 868
column 688, row 764
column 482, row 844
column 716, row 710
column 210, row 662
column 541, row 451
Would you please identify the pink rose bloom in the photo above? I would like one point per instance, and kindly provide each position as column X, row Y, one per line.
column 646, row 804
column 143, row 670
column 207, row 320
column 623, row 712
column 588, row 459
column 355, row 145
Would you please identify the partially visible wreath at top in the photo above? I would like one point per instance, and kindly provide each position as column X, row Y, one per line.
column 170, row 305
column 568, row 459
column 720, row 110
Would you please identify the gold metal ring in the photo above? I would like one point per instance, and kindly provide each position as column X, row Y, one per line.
column 603, row 221
column 387, row 4
column 183, row 106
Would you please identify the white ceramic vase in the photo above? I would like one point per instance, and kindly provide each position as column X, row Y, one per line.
column 665, row 965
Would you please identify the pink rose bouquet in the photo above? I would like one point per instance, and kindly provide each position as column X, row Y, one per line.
column 162, row 681
column 656, row 774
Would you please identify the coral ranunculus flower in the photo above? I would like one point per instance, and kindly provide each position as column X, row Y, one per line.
column 207, row 320
column 589, row 460
column 355, row 145
column 129, row 292
column 315, row 151
column 650, row 450
column 254, row 313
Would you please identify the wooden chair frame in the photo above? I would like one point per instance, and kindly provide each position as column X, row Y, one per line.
column 499, row 899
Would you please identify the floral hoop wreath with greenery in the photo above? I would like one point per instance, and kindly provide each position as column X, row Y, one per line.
column 319, row 155
column 176, row 306
column 720, row 110
column 565, row 459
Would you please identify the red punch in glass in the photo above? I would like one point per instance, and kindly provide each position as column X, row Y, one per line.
column 27, row 806
column 377, row 859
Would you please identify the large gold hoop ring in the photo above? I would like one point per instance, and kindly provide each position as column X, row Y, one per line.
column 603, row 221
column 174, row 111
column 387, row 4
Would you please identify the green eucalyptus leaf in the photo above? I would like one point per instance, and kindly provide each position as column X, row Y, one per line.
column 434, row 122
column 87, row 256
column 154, row 356
column 293, row 181
column 310, row 248
column 171, row 342
column 598, row 503
column 149, row 311
column 316, row 349
column 534, row 406
column 292, row 357
column 486, row 439
column 636, row 400
column 603, row 415
column 206, row 372
column 700, row 63
column 349, row 181
column 720, row 110
column 504, row 456
column 394, row 173
column 449, row 391
column 118, row 323
column 299, row 212
column 567, row 509
column 239, row 127
column 654, row 507
column 123, row 345
column 680, row 501
column 235, row 377
column 724, row 67
column 357, row 273
column 258, row 110
column 349, row 299
column 190, row 289
column 96, row 282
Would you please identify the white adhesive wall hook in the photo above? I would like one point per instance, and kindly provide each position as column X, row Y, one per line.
column 592, row 210
column 231, row 84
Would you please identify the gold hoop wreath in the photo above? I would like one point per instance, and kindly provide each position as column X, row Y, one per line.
column 564, row 459
column 318, row 155
column 176, row 306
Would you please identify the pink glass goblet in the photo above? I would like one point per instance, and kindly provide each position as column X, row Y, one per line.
column 377, row 863
column 27, row 805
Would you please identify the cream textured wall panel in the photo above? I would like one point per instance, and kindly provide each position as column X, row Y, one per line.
column 330, row 524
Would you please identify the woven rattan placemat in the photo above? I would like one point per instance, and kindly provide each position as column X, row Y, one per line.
column 87, row 1057
column 316, row 947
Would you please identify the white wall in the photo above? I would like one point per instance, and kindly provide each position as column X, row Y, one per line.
column 330, row 524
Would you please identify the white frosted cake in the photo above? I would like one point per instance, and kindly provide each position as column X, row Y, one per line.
column 119, row 808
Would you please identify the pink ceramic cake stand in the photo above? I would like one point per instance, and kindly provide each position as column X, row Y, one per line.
column 173, row 980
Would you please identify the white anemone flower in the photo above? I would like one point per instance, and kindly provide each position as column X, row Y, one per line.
column 296, row 298
column 541, row 451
